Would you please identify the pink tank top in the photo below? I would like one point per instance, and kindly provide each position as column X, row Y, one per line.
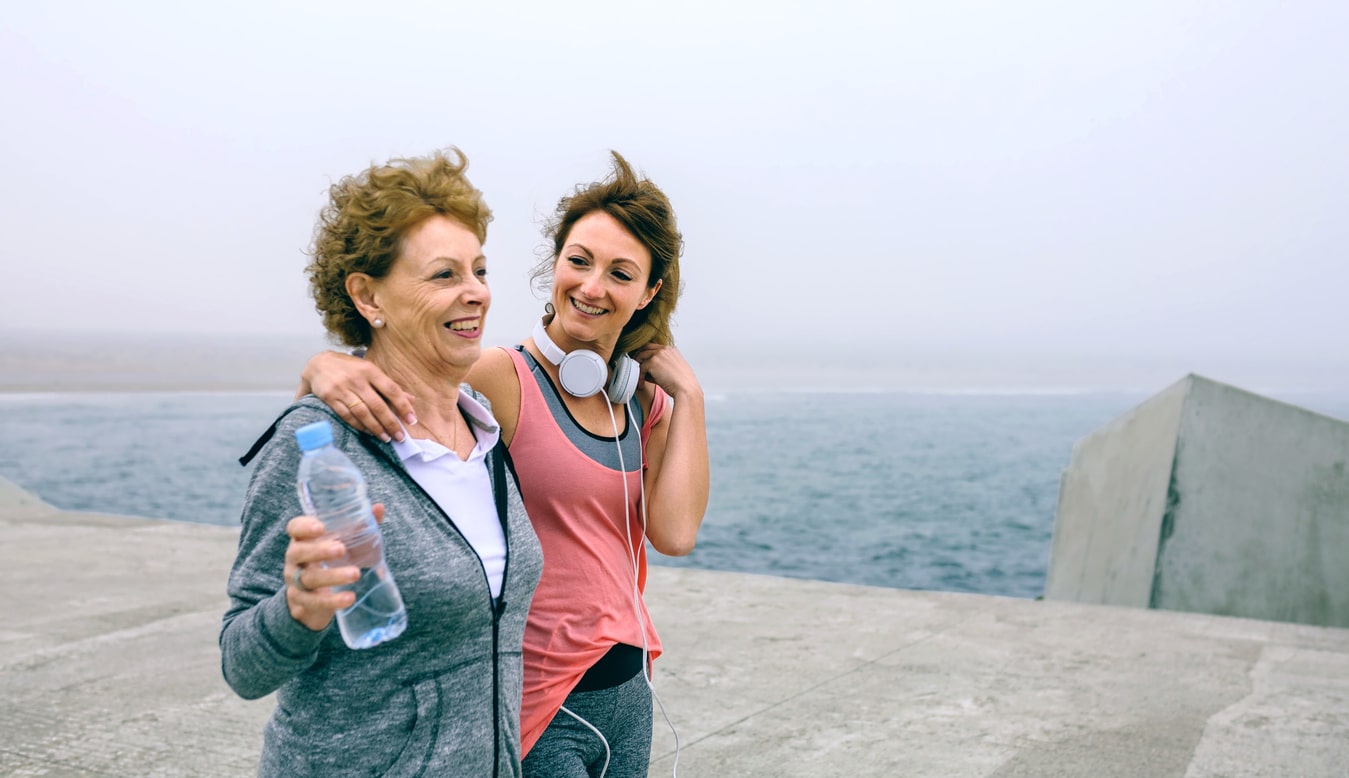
column 584, row 603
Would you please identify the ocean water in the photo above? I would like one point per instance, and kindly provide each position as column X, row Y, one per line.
column 936, row 491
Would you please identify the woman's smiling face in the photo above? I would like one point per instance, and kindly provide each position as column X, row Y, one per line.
column 434, row 299
column 599, row 280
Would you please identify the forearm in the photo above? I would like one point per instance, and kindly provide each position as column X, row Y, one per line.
column 263, row 647
column 261, row 644
column 678, row 496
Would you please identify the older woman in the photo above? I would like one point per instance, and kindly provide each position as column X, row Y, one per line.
column 397, row 268
column 607, row 461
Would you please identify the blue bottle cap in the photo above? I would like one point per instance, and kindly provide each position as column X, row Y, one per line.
column 316, row 435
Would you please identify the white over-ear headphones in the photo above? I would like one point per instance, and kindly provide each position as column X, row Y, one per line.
column 583, row 372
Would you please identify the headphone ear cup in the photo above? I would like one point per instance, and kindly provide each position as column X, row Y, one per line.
column 582, row 373
column 624, row 383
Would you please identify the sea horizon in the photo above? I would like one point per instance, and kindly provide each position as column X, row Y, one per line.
column 186, row 362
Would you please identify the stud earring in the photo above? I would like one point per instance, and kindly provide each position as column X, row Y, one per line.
column 377, row 323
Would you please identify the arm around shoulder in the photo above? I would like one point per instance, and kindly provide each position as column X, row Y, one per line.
column 359, row 392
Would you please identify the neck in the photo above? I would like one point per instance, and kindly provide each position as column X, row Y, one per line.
column 434, row 387
column 568, row 345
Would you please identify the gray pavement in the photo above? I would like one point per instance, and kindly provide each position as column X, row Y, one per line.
column 109, row 667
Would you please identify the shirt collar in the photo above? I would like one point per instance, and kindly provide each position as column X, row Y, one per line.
column 488, row 433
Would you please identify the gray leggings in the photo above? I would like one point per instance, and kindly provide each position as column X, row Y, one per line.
column 568, row 749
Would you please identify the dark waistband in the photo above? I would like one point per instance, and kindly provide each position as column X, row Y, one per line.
column 618, row 665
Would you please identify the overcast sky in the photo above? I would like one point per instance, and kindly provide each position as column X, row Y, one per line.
column 1043, row 180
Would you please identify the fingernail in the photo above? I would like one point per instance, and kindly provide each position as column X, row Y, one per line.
column 399, row 437
column 412, row 418
column 384, row 436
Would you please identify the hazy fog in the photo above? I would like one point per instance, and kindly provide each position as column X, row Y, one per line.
column 1079, row 187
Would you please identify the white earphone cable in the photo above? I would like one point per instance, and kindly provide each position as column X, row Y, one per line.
column 632, row 556
column 598, row 734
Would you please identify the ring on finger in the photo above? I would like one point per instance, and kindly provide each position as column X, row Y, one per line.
column 298, row 581
column 354, row 403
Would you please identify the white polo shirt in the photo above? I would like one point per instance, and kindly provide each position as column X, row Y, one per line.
column 463, row 489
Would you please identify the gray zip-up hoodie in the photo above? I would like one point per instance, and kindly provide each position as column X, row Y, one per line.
column 443, row 698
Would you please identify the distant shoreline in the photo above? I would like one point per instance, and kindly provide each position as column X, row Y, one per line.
column 111, row 362
column 95, row 386
column 165, row 363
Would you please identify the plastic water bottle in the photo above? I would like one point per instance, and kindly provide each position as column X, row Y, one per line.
column 333, row 489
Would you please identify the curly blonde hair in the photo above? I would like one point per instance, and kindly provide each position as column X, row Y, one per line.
column 643, row 210
column 361, row 229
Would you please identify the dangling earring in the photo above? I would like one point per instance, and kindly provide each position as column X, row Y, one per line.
column 377, row 323
column 548, row 309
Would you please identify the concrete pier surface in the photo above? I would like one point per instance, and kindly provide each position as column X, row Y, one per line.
column 109, row 667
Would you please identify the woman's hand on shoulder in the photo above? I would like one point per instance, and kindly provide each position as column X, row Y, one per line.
column 665, row 367
column 359, row 392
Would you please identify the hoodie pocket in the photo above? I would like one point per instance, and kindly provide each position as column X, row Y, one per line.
column 421, row 741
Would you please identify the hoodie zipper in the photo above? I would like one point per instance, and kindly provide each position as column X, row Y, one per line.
column 499, row 496
column 497, row 608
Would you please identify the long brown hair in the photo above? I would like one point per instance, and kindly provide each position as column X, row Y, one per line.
column 643, row 210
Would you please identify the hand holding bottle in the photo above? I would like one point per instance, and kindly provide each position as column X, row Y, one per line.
column 313, row 602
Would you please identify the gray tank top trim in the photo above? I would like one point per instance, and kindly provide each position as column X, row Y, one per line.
column 600, row 448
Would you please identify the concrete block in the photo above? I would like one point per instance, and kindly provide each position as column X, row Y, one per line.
column 1208, row 499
